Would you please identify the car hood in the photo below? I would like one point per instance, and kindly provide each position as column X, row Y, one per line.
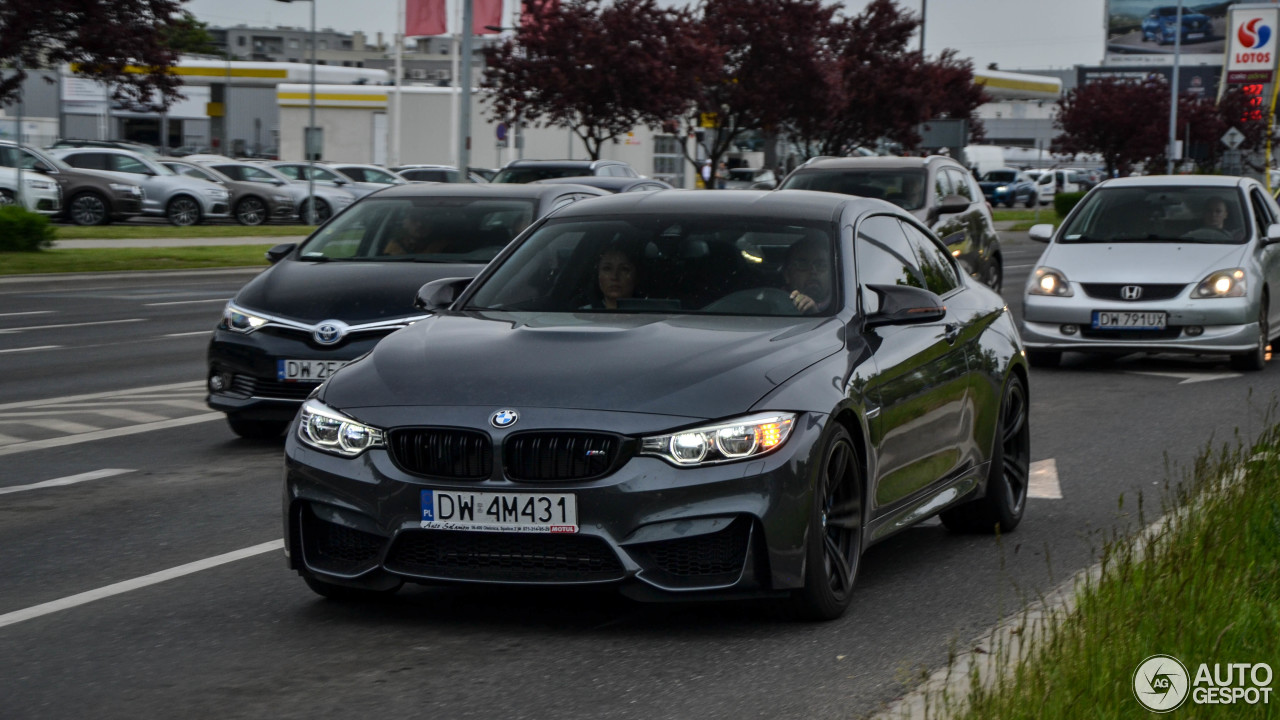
column 353, row 292
column 693, row 367
column 1141, row 261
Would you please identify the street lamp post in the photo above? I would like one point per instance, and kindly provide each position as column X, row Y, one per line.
column 309, row 133
column 1173, row 90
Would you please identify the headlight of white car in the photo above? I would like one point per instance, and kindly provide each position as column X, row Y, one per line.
column 742, row 438
column 282, row 199
column 39, row 184
column 1047, row 281
column 239, row 320
column 326, row 429
column 1221, row 284
column 217, row 193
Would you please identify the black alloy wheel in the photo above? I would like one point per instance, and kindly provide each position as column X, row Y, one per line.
column 1001, row 509
column 995, row 274
column 1256, row 359
column 183, row 211
column 834, row 546
column 88, row 208
column 323, row 212
column 251, row 211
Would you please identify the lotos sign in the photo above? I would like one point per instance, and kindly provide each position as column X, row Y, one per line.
column 1251, row 53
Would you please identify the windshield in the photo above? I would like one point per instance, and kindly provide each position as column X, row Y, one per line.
column 904, row 188
column 1159, row 214
column 714, row 265
column 468, row 230
column 528, row 175
column 1003, row 176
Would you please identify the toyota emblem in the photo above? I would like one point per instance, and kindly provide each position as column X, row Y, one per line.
column 504, row 418
column 1131, row 292
column 329, row 332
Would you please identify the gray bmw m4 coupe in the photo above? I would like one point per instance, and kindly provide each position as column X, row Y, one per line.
column 681, row 394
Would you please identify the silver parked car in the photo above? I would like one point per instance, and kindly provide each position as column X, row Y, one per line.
column 251, row 203
column 1187, row 264
column 371, row 176
column 183, row 200
column 329, row 200
column 325, row 175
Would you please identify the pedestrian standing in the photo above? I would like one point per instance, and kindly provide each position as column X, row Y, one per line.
column 722, row 176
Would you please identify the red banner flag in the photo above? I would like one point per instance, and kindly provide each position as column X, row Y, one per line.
column 425, row 17
column 486, row 14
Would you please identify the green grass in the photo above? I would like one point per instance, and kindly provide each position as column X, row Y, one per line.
column 131, row 232
column 129, row 259
column 1204, row 588
column 1024, row 219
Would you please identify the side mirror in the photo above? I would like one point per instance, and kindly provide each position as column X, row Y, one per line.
column 41, row 167
column 953, row 204
column 905, row 305
column 1273, row 234
column 339, row 182
column 1044, row 231
column 280, row 252
column 439, row 294
column 278, row 182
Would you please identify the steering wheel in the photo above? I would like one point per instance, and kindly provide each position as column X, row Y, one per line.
column 755, row 301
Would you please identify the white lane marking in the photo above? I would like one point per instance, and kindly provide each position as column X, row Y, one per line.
column 105, row 434
column 64, row 426
column 188, row 334
column 133, row 416
column 6, row 331
column 1043, row 482
column 135, row 392
column 34, row 347
column 137, row 583
column 29, row 312
column 68, row 480
column 185, row 404
column 9, row 439
column 1186, row 377
column 185, row 302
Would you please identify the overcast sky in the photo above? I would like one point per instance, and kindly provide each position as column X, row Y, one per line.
column 1015, row 34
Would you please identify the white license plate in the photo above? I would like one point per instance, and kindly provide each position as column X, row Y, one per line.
column 499, row 512
column 1120, row 320
column 307, row 370
column 1195, row 36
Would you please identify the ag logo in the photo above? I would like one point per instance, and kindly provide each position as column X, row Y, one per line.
column 1160, row 683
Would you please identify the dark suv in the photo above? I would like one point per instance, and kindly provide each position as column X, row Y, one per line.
column 89, row 197
column 526, row 171
column 936, row 189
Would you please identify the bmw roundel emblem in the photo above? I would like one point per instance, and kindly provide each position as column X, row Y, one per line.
column 504, row 418
column 329, row 332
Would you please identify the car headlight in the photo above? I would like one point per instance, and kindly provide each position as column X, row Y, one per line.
column 326, row 429
column 1047, row 281
column 1221, row 284
column 40, row 184
column 724, row 442
column 1002, row 188
column 217, row 193
column 238, row 320
column 282, row 199
column 126, row 189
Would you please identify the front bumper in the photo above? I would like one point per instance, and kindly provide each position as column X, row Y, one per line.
column 1228, row 325
column 249, row 368
column 656, row 531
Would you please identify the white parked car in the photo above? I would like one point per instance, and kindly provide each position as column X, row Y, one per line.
column 42, row 193
column 183, row 200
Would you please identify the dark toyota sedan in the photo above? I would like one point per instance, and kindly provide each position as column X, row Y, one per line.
column 332, row 298
column 682, row 394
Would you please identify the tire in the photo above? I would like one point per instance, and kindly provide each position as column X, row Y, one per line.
column 89, row 208
column 344, row 593
column 1044, row 358
column 257, row 429
column 1001, row 509
column 1031, row 200
column 833, row 545
column 251, row 211
column 995, row 274
column 1256, row 359
column 183, row 211
column 323, row 212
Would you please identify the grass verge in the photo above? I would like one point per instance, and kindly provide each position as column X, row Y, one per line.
column 129, row 259
column 1202, row 585
column 133, row 232
column 1024, row 219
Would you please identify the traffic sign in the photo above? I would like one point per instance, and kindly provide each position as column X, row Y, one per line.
column 502, row 131
column 1232, row 138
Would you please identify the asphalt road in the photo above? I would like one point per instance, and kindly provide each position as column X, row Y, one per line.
column 244, row 638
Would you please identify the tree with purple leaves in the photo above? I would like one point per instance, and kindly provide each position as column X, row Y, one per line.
column 124, row 43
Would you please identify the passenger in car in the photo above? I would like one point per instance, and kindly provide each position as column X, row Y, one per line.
column 617, row 271
column 807, row 273
column 416, row 235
